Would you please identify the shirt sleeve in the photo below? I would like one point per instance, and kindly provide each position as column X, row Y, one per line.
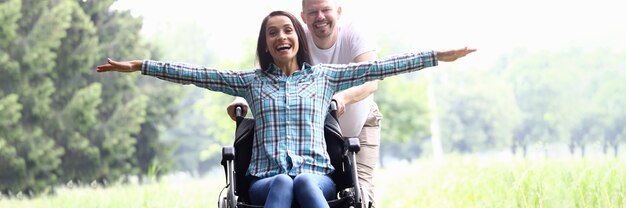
column 344, row 76
column 231, row 82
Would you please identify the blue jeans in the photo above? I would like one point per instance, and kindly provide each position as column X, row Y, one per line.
column 310, row 190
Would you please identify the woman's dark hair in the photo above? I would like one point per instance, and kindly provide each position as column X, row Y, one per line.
column 265, row 58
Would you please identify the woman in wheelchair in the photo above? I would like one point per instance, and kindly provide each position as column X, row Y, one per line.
column 289, row 100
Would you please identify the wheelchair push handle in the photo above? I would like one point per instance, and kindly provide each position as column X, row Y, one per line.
column 238, row 114
column 238, row 111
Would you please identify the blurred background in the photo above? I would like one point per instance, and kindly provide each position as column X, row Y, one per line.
column 547, row 81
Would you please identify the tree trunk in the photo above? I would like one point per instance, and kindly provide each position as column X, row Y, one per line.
column 435, row 138
column 513, row 148
column 582, row 151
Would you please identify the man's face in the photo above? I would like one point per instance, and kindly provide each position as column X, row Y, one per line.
column 321, row 17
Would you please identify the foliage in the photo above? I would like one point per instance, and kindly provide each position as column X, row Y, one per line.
column 527, row 98
column 564, row 95
column 403, row 102
column 478, row 111
column 60, row 121
column 203, row 126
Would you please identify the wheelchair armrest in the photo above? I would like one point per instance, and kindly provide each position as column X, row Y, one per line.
column 228, row 153
column 354, row 145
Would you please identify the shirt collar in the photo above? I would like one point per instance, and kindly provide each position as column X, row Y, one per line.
column 306, row 67
column 274, row 70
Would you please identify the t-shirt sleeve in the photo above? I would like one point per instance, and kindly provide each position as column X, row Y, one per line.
column 360, row 39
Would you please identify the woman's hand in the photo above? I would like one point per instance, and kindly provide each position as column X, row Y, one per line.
column 123, row 66
column 452, row 55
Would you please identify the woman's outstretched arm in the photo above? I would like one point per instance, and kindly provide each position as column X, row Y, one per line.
column 349, row 75
column 232, row 82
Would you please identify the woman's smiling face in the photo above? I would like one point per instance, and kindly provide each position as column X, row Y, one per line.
column 282, row 39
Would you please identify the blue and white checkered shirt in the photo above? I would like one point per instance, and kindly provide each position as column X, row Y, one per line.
column 289, row 111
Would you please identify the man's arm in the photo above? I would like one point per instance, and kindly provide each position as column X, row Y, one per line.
column 358, row 93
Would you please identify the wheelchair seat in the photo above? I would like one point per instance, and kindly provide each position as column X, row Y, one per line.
column 341, row 150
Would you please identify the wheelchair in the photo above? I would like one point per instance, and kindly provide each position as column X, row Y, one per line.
column 342, row 151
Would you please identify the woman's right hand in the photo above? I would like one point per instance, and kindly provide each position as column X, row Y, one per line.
column 123, row 66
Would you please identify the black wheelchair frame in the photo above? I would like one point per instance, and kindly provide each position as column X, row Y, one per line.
column 342, row 151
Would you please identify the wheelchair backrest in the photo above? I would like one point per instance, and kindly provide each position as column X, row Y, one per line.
column 336, row 146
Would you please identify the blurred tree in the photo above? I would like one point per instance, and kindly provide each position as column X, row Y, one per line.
column 203, row 127
column 479, row 111
column 535, row 95
column 151, row 148
column 12, row 165
column 74, row 126
column 403, row 103
column 65, row 122
column 612, row 102
column 568, row 96
column 131, row 139
column 30, row 39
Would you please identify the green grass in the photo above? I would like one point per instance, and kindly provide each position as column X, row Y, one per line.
column 455, row 182
column 480, row 182
column 190, row 193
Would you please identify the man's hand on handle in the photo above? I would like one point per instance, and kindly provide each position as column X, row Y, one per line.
column 341, row 105
column 230, row 110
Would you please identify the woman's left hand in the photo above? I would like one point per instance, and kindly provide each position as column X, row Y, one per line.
column 452, row 55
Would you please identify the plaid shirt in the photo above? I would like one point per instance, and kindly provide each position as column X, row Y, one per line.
column 289, row 111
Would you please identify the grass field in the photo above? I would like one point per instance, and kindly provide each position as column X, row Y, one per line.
column 455, row 182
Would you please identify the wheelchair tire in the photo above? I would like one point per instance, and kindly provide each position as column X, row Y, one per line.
column 222, row 202
column 365, row 199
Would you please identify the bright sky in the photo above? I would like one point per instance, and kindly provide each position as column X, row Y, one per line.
column 492, row 26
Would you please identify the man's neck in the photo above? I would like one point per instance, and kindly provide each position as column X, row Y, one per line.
column 326, row 42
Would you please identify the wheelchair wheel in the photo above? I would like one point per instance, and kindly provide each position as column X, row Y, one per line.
column 365, row 199
column 222, row 201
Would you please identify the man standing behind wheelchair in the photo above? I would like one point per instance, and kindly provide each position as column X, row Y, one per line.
column 334, row 42
column 289, row 100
